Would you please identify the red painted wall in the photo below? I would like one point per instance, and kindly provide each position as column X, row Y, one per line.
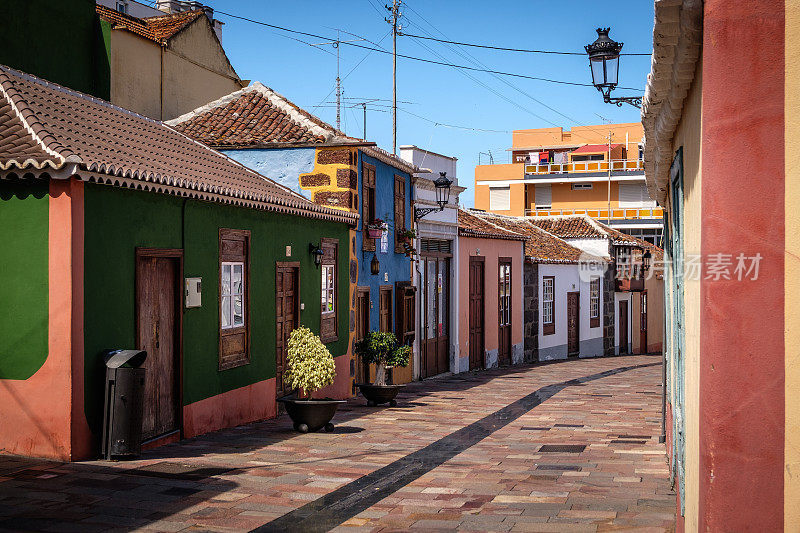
column 742, row 338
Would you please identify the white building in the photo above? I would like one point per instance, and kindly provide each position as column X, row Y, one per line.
column 436, row 269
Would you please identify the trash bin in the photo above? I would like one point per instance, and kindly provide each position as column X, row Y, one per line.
column 124, row 403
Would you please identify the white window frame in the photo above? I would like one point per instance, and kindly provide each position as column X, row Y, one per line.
column 328, row 289
column 227, row 300
column 594, row 298
column 551, row 301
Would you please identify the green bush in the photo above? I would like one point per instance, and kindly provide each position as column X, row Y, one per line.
column 382, row 349
column 309, row 364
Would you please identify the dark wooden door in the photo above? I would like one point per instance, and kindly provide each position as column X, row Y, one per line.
column 573, row 323
column 504, row 312
column 158, row 320
column 286, row 318
column 385, row 309
column 362, row 327
column 623, row 327
column 476, row 313
column 643, row 322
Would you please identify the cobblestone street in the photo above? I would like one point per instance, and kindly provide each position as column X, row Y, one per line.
column 570, row 446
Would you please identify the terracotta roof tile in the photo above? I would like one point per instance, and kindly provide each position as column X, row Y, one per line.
column 258, row 117
column 569, row 226
column 471, row 225
column 255, row 116
column 158, row 29
column 44, row 126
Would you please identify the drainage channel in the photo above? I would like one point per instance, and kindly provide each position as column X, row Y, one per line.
column 334, row 508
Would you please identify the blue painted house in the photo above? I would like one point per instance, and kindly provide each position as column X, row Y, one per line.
column 266, row 132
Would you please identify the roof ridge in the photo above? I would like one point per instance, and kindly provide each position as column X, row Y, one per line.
column 31, row 123
column 295, row 113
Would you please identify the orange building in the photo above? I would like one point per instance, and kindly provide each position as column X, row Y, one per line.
column 584, row 170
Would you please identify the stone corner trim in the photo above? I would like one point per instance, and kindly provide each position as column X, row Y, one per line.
column 677, row 39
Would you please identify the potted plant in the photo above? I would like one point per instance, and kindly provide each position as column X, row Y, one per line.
column 376, row 228
column 382, row 349
column 406, row 236
column 309, row 367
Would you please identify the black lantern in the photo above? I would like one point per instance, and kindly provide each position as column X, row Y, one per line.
column 375, row 265
column 442, row 186
column 317, row 253
column 646, row 260
column 604, row 64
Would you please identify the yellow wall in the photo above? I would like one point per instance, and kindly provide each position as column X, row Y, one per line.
column 579, row 135
column 512, row 171
column 136, row 65
column 689, row 136
column 791, row 496
column 135, row 73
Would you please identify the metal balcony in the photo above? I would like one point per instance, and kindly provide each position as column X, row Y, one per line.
column 601, row 212
column 578, row 167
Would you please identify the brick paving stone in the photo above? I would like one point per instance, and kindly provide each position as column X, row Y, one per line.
column 245, row 477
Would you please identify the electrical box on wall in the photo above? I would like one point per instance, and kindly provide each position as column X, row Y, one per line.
column 194, row 292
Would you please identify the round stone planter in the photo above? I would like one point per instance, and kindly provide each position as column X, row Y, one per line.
column 379, row 394
column 311, row 415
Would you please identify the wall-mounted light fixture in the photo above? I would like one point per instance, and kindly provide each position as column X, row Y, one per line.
column 604, row 64
column 442, row 186
column 375, row 265
column 646, row 260
column 317, row 253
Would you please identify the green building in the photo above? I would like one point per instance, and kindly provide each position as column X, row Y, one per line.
column 119, row 232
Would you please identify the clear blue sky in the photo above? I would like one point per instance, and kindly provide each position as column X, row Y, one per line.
column 306, row 75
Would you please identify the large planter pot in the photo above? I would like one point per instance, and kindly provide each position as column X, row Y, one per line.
column 375, row 233
column 379, row 394
column 311, row 415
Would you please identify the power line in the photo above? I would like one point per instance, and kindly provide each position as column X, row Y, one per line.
column 423, row 60
column 490, row 47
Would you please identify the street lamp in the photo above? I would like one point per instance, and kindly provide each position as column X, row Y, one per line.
column 604, row 64
column 442, row 186
column 317, row 253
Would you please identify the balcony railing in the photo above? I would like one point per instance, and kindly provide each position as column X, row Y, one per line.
column 601, row 212
column 585, row 166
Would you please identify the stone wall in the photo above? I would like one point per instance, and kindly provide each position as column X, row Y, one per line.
column 530, row 312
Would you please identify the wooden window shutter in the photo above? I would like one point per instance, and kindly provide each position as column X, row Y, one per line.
column 328, row 321
column 367, row 205
column 399, row 212
column 405, row 306
column 234, row 246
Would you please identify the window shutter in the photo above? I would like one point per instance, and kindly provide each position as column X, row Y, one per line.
column 367, row 205
column 399, row 212
column 543, row 197
column 234, row 246
column 499, row 198
column 634, row 195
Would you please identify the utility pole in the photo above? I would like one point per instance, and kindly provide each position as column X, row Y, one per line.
column 395, row 10
column 336, row 44
column 610, row 134
column 364, row 107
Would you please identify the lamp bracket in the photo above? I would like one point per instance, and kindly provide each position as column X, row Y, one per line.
column 420, row 212
column 635, row 101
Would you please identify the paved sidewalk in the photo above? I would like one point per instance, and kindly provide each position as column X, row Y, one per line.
column 569, row 446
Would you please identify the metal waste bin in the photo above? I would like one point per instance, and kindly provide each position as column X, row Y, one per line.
column 124, row 403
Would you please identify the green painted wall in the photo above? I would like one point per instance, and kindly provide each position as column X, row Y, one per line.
column 60, row 41
column 119, row 220
column 23, row 271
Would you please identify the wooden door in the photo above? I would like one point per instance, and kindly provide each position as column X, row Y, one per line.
column 362, row 327
column 504, row 312
column 623, row 327
column 287, row 296
column 573, row 323
column 385, row 309
column 158, row 319
column 643, row 322
column 476, row 313
column 435, row 317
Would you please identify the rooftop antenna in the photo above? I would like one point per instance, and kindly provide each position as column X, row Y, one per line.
column 335, row 44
